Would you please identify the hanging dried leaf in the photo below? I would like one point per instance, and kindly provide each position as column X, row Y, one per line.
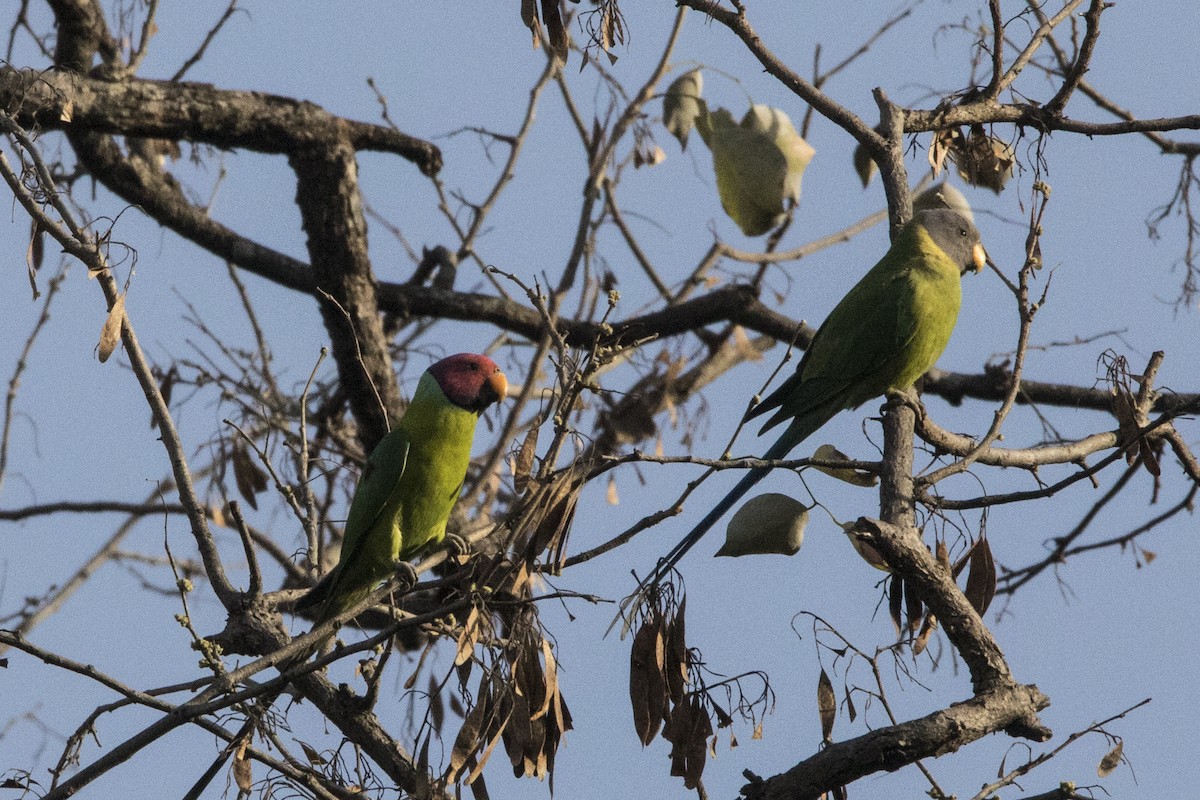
column 913, row 607
column 548, row 516
column 611, row 495
column 110, row 333
column 1111, row 760
column 943, row 555
column 896, row 602
column 467, row 740
column 647, row 682
column 864, row 549
column 35, row 254
column 864, row 165
column 676, row 656
column 851, row 711
column 826, row 705
column 855, row 477
column 242, row 774
column 984, row 161
column 558, row 41
column 437, row 705
column 166, row 387
column 249, row 477
column 690, row 728
column 682, row 104
column 468, row 637
column 943, row 144
column 611, row 30
column 1125, row 410
column 314, row 758
column 523, row 464
column 981, row 577
column 922, row 640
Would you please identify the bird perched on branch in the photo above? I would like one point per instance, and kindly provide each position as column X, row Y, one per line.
column 883, row 335
column 411, row 481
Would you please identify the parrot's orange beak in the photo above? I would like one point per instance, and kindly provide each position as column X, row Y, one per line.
column 980, row 258
column 499, row 385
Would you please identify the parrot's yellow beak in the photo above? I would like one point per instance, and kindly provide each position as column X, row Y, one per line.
column 499, row 385
column 980, row 258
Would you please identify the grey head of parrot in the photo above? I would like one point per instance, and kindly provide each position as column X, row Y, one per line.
column 956, row 235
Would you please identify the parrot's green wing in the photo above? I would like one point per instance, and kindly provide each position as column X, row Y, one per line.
column 375, row 493
column 884, row 334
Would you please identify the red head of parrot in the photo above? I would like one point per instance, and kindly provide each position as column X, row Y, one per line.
column 470, row 381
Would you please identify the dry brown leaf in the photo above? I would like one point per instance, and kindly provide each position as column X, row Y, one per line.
column 1126, row 413
column 943, row 555
column 922, row 640
column 896, row 602
column 1111, row 760
column 851, row 711
column 523, row 464
column 468, row 638
column 468, row 735
column 248, row 476
column 242, row 774
column 558, row 41
column 647, row 684
column 611, row 495
column 943, row 144
column 166, row 387
column 310, row 752
column 826, row 705
column 110, row 333
column 913, row 607
column 550, row 678
column 981, row 577
column 984, row 161
column 36, row 253
column 437, row 705
column 675, row 665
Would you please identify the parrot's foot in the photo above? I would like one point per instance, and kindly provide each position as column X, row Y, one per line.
column 406, row 577
column 458, row 548
column 907, row 398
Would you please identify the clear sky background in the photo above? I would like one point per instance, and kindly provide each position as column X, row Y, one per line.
column 1105, row 633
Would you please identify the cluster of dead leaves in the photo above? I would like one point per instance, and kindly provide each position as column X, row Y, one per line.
column 605, row 27
column 982, row 160
column 904, row 600
column 545, row 518
column 1132, row 413
column 518, row 702
column 658, row 679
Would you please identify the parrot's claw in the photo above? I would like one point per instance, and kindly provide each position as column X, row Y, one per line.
column 459, row 549
column 407, row 577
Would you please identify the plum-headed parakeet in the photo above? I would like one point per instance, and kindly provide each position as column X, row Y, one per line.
column 411, row 481
column 883, row 335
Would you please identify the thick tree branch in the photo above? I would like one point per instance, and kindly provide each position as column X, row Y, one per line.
column 331, row 207
column 194, row 112
column 899, row 746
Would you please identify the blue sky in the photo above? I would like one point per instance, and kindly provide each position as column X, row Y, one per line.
column 1105, row 636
